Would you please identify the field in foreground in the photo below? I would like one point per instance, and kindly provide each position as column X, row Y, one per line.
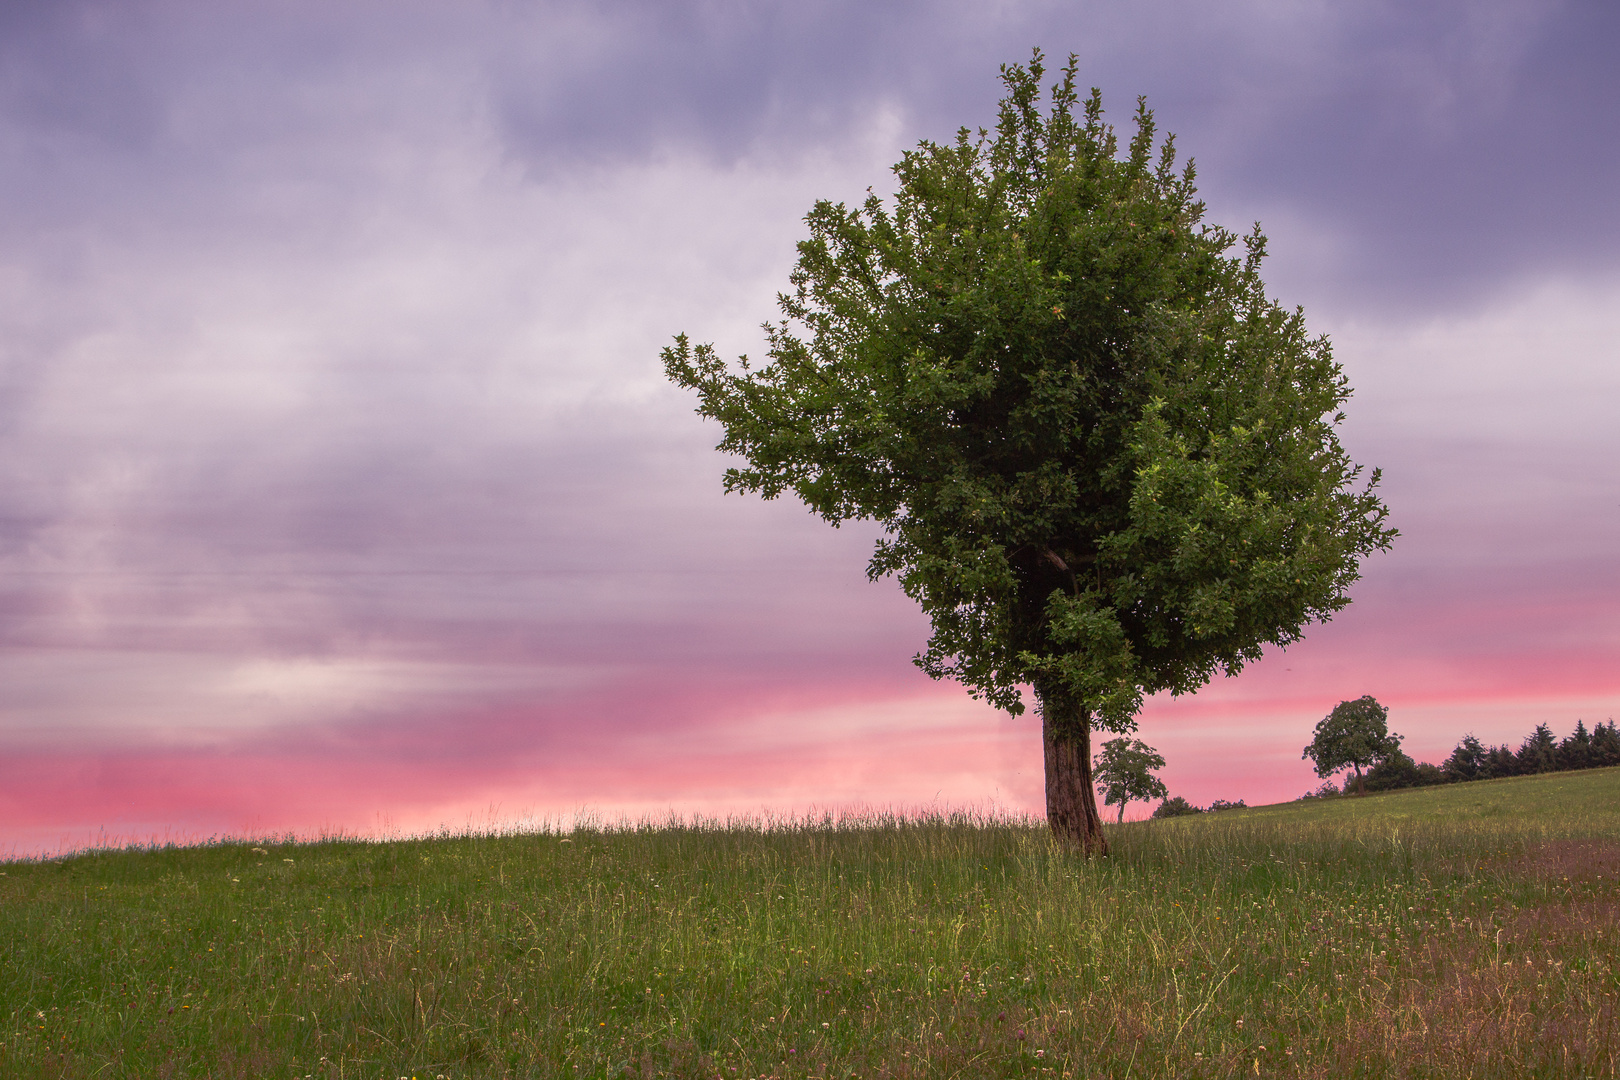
column 1459, row 931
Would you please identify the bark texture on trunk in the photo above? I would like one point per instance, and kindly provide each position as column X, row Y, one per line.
column 1071, row 802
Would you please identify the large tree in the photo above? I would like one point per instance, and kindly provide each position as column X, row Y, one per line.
column 1104, row 460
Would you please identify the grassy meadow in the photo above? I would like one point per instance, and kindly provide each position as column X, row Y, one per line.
column 1468, row 930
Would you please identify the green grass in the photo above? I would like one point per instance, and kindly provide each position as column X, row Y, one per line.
column 1463, row 931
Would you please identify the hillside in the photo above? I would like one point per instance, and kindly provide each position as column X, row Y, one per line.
column 1467, row 930
column 1557, row 799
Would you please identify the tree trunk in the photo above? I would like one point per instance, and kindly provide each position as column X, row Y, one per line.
column 1071, row 804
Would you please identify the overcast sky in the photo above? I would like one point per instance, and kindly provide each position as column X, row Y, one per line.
column 340, row 488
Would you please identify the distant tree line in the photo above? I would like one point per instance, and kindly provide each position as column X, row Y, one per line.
column 1356, row 736
column 1390, row 768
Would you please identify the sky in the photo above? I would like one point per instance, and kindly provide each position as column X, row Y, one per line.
column 341, row 490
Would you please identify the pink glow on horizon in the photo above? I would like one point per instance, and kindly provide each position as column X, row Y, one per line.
column 969, row 755
column 485, row 745
column 770, row 748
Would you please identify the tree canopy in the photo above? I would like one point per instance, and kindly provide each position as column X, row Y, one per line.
column 1355, row 735
column 1125, row 773
column 1104, row 461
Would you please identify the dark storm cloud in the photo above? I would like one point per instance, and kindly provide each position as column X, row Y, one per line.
column 731, row 78
column 1448, row 150
column 1432, row 152
column 1441, row 150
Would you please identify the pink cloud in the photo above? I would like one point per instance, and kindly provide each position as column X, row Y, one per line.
column 831, row 734
column 634, row 752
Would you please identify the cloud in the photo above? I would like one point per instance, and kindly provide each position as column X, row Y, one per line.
column 635, row 749
column 1419, row 155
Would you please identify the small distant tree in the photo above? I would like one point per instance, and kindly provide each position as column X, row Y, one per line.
column 1538, row 753
column 1176, row 807
column 1467, row 761
column 1355, row 735
column 1222, row 804
column 1124, row 771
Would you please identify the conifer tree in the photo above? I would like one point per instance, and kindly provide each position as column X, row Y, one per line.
column 1538, row 753
column 1575, row 752
column 1467, row 761
column 1605, row 745
column 1499, row 762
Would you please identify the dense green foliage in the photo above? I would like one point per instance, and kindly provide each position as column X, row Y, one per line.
column 1540, row 752
column 1398, row 770
column 1105, row 460
column 1125, row 773
column 1176, row 806
column 1466, row 930
column 1355, row 735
